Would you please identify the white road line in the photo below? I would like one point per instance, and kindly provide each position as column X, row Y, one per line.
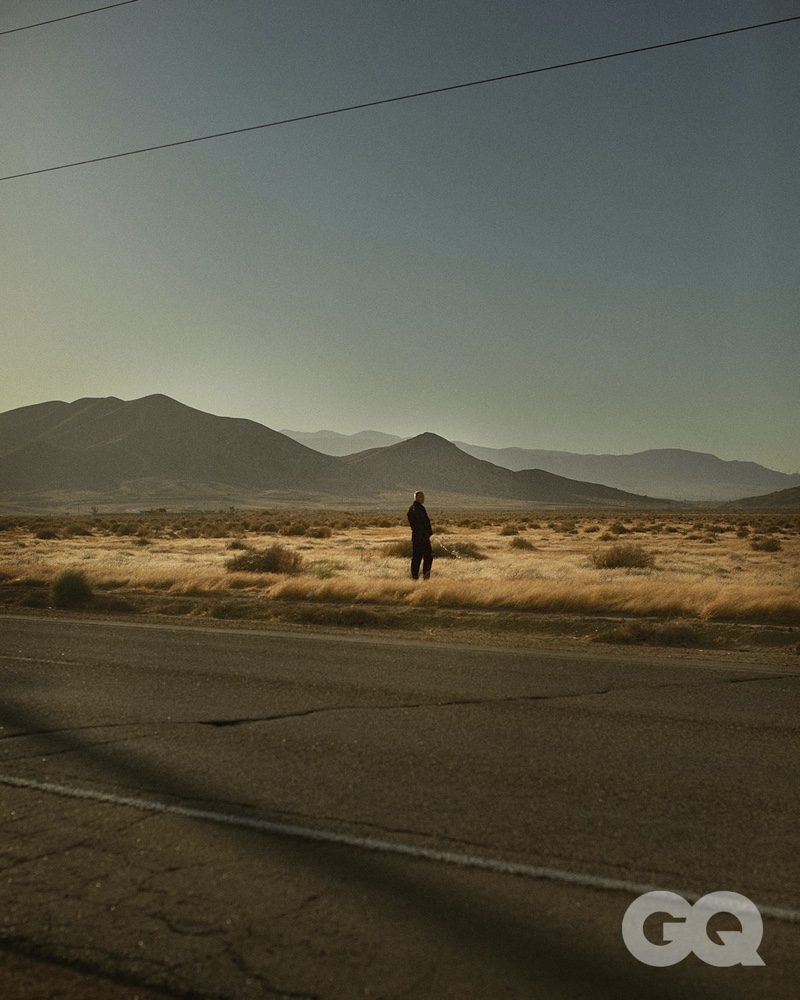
column 371, row 844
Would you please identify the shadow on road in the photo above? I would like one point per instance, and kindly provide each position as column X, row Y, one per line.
column 525, row 950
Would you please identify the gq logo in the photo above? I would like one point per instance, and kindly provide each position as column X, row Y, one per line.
column 691, row 934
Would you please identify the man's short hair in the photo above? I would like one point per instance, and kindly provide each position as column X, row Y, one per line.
column 419, row 493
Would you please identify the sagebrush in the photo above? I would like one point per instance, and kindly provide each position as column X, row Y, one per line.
column 652, row 564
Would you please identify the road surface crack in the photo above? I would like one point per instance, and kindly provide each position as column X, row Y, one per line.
column 222, row 723
column 398, row 706
column 246, row 970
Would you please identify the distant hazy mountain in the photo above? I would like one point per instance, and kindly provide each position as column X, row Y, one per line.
column 664, row 472
column 156, row 451
column 333, row 443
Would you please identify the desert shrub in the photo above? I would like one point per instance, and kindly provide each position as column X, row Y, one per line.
column 319, row 531
column 400, row 549
column 237, row 545
column 46, row 534
column 347, row 617
column 521, row 543
column 274, row 559
column 622, row 557
column 325, row 570
column 509, row 529
column 295, row 528
column 765, row 545
column 72, row 530
column 652, row 634
column 70, row 588
column 617, row 528
column 212, row 530
column 457, row 550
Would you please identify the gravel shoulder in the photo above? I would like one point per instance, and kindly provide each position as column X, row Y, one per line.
column 609, row 634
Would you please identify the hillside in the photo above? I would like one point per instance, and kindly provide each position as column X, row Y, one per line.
column 333, row 443
column 100, row 444
column 431, row 463
column 155, row 451
column 661, row 472
column 672, row 472
column 437, row 465
column 788, row 500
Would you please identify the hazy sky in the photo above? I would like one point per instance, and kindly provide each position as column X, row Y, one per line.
column 598, row 259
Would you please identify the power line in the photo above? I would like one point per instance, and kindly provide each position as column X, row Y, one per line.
column 10, row 31
column 393, row 100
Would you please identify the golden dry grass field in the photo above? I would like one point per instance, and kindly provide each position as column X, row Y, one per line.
column 675, row 571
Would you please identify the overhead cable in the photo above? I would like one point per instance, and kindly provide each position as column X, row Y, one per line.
column 67, row 17
column 402, row 97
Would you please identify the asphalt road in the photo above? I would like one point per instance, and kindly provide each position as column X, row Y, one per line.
column 556, row 788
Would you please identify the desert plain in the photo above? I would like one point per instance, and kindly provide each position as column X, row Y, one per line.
column 724, row 582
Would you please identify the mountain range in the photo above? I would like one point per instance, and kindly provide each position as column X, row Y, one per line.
column 155, row 451
column 659, row 472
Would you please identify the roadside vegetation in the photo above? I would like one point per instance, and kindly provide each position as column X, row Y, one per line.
column 70, row 588
column 352, row 567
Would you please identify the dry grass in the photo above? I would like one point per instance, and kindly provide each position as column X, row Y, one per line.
column 622, row 556
column 690, row 567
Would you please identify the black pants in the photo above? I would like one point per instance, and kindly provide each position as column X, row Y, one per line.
column 421, row 553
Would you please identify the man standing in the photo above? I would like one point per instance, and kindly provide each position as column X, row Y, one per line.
column 421, row 532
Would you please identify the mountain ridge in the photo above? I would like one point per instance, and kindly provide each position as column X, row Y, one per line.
column 674, row 473
column 140, row 449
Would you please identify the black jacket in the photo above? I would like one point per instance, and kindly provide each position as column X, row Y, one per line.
column 419, row 521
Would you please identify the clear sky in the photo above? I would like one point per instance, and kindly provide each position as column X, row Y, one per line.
column 598, row 259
